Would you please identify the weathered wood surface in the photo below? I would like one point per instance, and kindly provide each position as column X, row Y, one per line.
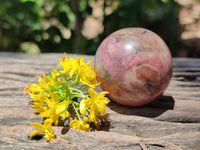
column 170, row 122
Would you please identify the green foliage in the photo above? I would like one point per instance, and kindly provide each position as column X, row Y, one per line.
column 160, row 16
column 56, row 25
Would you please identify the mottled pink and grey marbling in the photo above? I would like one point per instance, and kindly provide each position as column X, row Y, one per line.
column 134, row 65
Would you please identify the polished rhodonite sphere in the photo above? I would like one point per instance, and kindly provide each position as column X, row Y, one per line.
column 134, row 65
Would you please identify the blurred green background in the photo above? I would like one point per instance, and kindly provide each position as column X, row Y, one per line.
column 79, row 26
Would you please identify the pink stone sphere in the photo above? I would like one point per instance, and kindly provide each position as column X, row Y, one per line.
column 134, row 65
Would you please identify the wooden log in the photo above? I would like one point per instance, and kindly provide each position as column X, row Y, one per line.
column 170, row 122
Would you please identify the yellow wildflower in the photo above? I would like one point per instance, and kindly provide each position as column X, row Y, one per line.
column 47, row 81
column 39, row 106
column 61, row 109
column 42, row 83
column 55, row 73
column 95, row 121
column 32, row 88
column 54, row 110
column 44, row 128
column 96, row 103
column 51, row 112
column 76, row 66
column 40, row 96
column 59, row 91
column 51, row 81
column 88, row 76
column 67, row 64
column 81, row 125
column 35, row 89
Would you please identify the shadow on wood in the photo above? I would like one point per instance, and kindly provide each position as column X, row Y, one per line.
column 151, row 110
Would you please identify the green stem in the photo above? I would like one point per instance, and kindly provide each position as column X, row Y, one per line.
column 81, row 87
column 76, row 82
column 78, row 92
column 84, row 88
column 64, row 77
column 76, row 112
column 68, row 92
column 88, row 109
column 76, row 103
column 67, row 104
column 58, row 67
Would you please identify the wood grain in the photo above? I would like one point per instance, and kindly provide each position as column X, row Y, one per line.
column 170, row 122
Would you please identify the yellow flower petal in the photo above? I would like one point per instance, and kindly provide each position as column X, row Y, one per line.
column 73, row 123
column 82, row 107
column 55, row 119
column 102, row 109
column 65, row 114
column 38, row 125
column 46, row 113
column 102, row 94
column 34, row 133
column 96, row 103
column 49, row 103
column 48, row 122
column 55, row 73
column 81, row 125
column 49, row 135
column 60, row 109
column 45, row 128
column 54, row 98
column 92, row 93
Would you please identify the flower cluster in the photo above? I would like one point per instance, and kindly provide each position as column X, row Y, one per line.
column 67, row 92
